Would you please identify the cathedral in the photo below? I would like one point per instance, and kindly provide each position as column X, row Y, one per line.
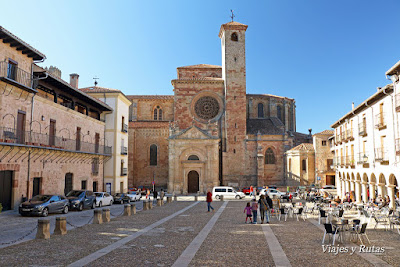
column 210, row 131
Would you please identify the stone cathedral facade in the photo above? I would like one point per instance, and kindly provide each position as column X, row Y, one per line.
column 210, row 131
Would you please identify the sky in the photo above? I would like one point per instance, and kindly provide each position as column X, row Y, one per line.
column 324, row 54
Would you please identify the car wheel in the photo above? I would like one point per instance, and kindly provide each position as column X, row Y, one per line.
column 93, row 205
column 237, row 197
column 80, row 207
column 216, row 197
column 45, row 212
column 65, row 210
column 100, row 204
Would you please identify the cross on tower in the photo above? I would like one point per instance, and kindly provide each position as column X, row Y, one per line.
column 232, row 16
column 95, row 81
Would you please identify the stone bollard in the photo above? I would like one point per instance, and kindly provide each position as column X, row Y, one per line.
column 196, row 198
column 150, row 205
column 221, row 198
column 106, row 215
column 43, row 231
column 61, row 226
column 159, row 202
column 175, row 198
column 145, row 207
column 97, row 219
column 133, row 209
column 169, row 199
column 127, row 210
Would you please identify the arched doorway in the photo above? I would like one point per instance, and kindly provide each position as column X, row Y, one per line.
column 193, row 182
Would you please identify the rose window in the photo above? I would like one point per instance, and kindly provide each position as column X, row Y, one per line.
column 206, row 108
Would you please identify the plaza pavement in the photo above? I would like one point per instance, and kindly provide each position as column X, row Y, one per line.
column 183, row 233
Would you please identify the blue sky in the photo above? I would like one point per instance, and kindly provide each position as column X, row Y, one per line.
column 324, row 54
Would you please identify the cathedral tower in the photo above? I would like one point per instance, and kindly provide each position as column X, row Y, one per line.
column 232, row 36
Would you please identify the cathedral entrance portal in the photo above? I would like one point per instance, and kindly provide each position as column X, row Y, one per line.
column 193, row 182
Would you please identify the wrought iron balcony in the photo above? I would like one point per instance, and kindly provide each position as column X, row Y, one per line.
column 124, row 171
column 338, row 139
column 381, row 154
column 349, row 135
column 362, row 158
column 362, row 129
column 124, row 150
column 33, row 139
column 124, row 128
column 16, row 76
column 380, row 121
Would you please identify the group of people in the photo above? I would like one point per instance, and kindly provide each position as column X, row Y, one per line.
column 265, row 206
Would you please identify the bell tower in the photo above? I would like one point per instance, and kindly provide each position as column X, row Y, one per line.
column 232, row 36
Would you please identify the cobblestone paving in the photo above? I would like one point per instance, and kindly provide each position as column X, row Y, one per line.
column 301, row 241
column 233, row 243
column 390, row 240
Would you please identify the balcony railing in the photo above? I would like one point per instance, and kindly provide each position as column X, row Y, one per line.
column 124, row 150
column 124, row 171
column 380, row 122
column 338, row 139
column 381, row 154
column 397, row 102
column 13, row 73
column 349, row 135
column 124, row 128
column 362, row 158
column 27, row 138
column 362, row 129
column 343, row 136
column 349, row 161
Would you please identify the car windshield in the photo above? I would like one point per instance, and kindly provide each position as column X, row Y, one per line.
column 119, row 195
column 43, row 198
column 74, row 193
column 99, row 194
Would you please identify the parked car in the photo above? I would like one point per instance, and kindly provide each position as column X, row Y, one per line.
column 246, row 190
column 227, row 192
column 287, row 196
column 81, row 199
column 272, row 192
column 329, row 187
column 43, row 205
column 134, row 196
column 121, row 198
column 103, row 199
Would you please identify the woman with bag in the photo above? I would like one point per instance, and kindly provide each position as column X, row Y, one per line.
column 263, row 207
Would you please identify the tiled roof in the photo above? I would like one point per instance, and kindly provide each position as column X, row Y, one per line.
column 268, row 126
column 268, row 95
column 303, row 147
column 201, row 66
column 235, row 23
column 97, row 89
column 326, row 132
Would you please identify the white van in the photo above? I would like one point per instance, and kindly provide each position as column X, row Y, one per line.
column 227, row 192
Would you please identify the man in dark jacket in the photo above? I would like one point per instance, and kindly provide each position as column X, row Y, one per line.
column 155, row 194
column 269, row 207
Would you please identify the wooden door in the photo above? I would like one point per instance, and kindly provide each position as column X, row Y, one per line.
column 21, row 117
column 193, row 182
column 6, row 189
column 78, row 138
column 36, row 186
column 52, row 133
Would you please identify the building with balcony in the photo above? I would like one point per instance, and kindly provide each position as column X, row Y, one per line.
column 51, row 136
column 367, row 165
column 115, row 169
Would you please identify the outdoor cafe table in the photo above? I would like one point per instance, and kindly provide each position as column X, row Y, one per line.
column 341, row 227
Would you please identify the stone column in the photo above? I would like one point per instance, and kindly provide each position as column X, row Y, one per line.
column 175, row 198
column 364, row 186
column 127, row 210
column 98, row 217
column 159, row 202
column 150, row 203
column 352, row 186
column 380, row 189
column 347, row 186
column 106, row 215
column 169, row 199
column 338, row 183
column 61, row 226
column 358, row 192
column 221, row 198
column 43, row 231
column 390, row 190
column 372, row 191
column 145, row 207
column 196, row 198
column 133, row 209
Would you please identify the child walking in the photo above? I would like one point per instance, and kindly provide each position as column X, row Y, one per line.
column 254, row 208
column 248, row 211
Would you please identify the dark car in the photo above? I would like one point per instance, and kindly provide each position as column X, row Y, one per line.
column 43, row 205
column 121, row 198
column 81, row 199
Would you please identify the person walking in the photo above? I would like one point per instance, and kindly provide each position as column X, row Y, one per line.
column 251, row 190
column 155, row 194
column 254, row 208
column 148, row 194
column 263, row 207
column 209, row 200
column 248, row 212
column 162, row 194
column 269, row 207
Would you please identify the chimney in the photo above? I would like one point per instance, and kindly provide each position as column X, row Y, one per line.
column 352, row 106
column 73, row 80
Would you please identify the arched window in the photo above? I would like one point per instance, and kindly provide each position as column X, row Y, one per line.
column 193, row 157
column 234, row 37
column 157, row 113
column 269, row 156
column 153, row 155
column 260, row 110
column 279, row 112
